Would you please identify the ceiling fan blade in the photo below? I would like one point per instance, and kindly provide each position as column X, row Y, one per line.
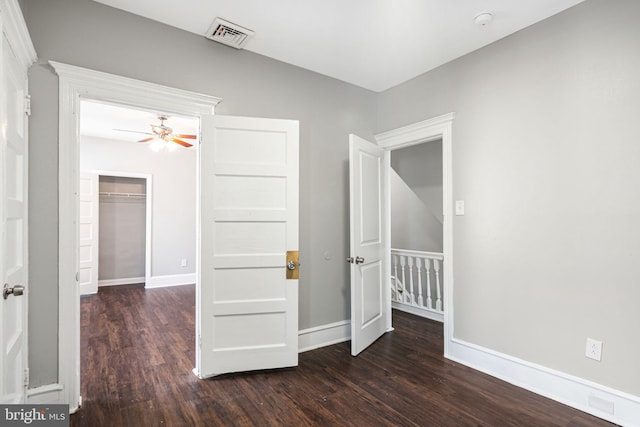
column 133, row 131
column 180, row 142
column 146, row 139
column 185, row 136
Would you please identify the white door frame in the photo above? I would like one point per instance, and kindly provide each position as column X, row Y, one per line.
column 148, row 213
column 14, row 31
column 76, row 83
column 428, row 130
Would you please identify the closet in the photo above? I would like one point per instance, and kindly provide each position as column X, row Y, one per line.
column 122, row 230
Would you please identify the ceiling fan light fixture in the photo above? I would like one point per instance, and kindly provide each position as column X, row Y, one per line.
column 171, row 146
column 157, row 145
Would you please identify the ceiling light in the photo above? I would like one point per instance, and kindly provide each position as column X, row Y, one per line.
column 157, row 145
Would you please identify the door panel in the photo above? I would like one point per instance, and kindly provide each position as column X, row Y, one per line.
column 249, row 220
column 369, row 277
column 88, row 232
column 13, row 206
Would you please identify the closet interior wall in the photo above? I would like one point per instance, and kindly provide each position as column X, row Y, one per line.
column 122, row 230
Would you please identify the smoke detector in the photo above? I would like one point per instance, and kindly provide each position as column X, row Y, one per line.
column 483, row 19
column 228, row 33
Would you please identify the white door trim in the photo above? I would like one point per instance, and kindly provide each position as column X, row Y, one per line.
column 15, row 28
column 428, row 130
column 76, row 83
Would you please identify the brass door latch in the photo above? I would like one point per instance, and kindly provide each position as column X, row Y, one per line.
column 292, row 265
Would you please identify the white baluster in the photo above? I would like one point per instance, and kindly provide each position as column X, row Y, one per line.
column 419, row 271
column 436, row 267
column 412, row 299
column 395, row 277
column 427, row 267
column 403, row 262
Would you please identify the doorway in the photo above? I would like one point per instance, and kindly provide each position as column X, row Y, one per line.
column 426, row 131
column 416, row 192
column 77, row 84
column 139, row 226
column 123, row 235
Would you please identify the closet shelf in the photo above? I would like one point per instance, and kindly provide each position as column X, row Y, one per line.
column 110, row 194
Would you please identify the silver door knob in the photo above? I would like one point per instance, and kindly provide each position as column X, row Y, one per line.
column 291, row 265
column 359, row 260
column 17, row 290
column 350, row 259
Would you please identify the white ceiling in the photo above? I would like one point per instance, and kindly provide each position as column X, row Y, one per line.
column 101, row 120
column 374, row 44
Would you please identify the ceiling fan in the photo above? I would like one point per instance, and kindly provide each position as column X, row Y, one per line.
column 163, row 134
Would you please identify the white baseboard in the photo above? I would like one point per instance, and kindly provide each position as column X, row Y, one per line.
column 88, row 289
column 323, row 335
column 438, row 317
column 612, row 405
column 118, row 282
column 171, row 280
column 50, row 394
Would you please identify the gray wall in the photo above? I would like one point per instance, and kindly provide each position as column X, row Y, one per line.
column 416, row 197
column 546, row 156
column 413, row 226
column 420, row 166
column 88, row 34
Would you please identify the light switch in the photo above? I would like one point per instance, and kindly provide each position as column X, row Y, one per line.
column 459, row 207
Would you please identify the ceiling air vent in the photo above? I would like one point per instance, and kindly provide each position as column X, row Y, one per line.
column 228, row 33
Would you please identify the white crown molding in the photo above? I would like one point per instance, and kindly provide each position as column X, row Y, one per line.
column 15, row 28
column 135, row 92
column 415, row 133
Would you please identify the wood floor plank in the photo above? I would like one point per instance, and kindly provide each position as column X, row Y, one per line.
column 138, row 349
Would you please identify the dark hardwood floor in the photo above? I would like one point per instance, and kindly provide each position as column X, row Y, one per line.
column 138, row 352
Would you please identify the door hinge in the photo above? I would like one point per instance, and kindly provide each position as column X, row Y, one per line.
column 26, row 377
column 27, row 105
column 77, row 276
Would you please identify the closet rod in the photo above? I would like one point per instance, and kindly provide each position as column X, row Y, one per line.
column 109, row 194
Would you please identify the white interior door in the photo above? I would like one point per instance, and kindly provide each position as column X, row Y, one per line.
column 13, row 199
column 88, row 233
column 369, row 275
column 249, row 221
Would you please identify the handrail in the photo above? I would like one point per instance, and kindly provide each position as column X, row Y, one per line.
column 408, row 252
column 416, row 278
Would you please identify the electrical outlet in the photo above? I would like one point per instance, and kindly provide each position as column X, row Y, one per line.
column 594, row 349
column 183, row 263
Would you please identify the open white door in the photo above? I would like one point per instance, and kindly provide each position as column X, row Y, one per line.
column 249, row 221
column 88, row 233
column 369, row 275
column 13, row 205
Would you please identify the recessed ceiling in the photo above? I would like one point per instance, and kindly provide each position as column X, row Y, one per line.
column 375, row 44
column 100, row 120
